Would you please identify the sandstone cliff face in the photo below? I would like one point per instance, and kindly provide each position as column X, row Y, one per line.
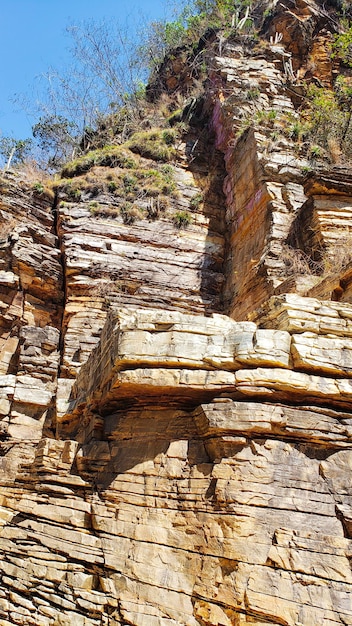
column 176, row 404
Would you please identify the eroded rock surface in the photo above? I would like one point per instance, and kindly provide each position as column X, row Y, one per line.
column 176, row 421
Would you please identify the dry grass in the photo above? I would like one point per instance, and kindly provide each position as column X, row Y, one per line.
column 130, row 213
column 7, row 226
column 154, row 144
column 101, row 210
column 296, row 261
column 333, row 259
column 338, row 256
column 33, row 174
column 109, row 156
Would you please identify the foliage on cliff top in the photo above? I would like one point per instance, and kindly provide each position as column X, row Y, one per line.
column 192, row 19
column 342, row 46
column 101, row 99
column 109, row 156
column 108, row 72
column 154, row 144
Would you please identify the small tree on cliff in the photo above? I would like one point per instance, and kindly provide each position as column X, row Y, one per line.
column 56, row 138
column 104, row 75
column 14, row 150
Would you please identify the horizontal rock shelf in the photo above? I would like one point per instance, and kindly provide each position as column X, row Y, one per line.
column 169, row 354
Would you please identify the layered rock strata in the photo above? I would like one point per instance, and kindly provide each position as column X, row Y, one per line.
column 138, row 262
column 175, row 422
column 200, row 475
column 31, row 300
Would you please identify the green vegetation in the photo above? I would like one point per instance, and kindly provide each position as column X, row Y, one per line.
column 141, row 182
column 266, row 116
column 328, row 121
column 342, row 46
column 100, row 99
column 14, row 150
column 98, row 110
column 154, row 144
column 71, row 187
column 344, row 9
column 112, row 186
column 192, row 21
column 43, row 189
column 196, row 201
column 139, row 192
column 130, row 183
column 90, row 109
column 182, row 219
column 109, row 156
column 315, row 152
column 296, row 129
column 321, row 127
column 130, row 213
column 38, row 188
column 55, row 136
column 93, row 207
column 253, row 93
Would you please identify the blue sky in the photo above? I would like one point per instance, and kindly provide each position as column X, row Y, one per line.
column 33, row 39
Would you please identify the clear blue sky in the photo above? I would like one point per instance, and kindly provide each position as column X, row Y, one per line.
column 33, row 39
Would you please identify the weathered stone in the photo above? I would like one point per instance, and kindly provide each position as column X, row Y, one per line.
column 332, row 355
column 284, row 385
column 263, row 347
column 299, row 315
column 162, row 464
column 311, row 424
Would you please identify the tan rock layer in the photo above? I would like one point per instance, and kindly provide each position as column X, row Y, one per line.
column 171, row 355
column 152, row 501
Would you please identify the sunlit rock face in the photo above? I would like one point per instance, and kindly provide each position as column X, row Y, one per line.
column 176, row 398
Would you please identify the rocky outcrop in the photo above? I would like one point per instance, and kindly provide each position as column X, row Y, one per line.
column 200, row 475
column 175, row 420
column 31, row 308
column 113, row 257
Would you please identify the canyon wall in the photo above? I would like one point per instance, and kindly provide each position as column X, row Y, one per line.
column 175, row 397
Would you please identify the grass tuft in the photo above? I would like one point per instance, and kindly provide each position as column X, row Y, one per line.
column 154, row 144
column 109, row 156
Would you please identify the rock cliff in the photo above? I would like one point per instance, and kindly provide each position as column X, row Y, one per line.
column 176, row 358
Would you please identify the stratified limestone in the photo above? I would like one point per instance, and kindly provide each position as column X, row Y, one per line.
column 171, row 355
column 218, row 499
column 223, row 418
column 305, row 315
column 163, row 514
column 162, row 464
column 30, row 318
column 143, row 262
column 263, row 190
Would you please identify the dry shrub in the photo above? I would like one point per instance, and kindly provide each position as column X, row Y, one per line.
column 33, row 173
column 338, row 256
column 296, row 261
column 130, row 213
column 333, row 259
column 334, row 150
